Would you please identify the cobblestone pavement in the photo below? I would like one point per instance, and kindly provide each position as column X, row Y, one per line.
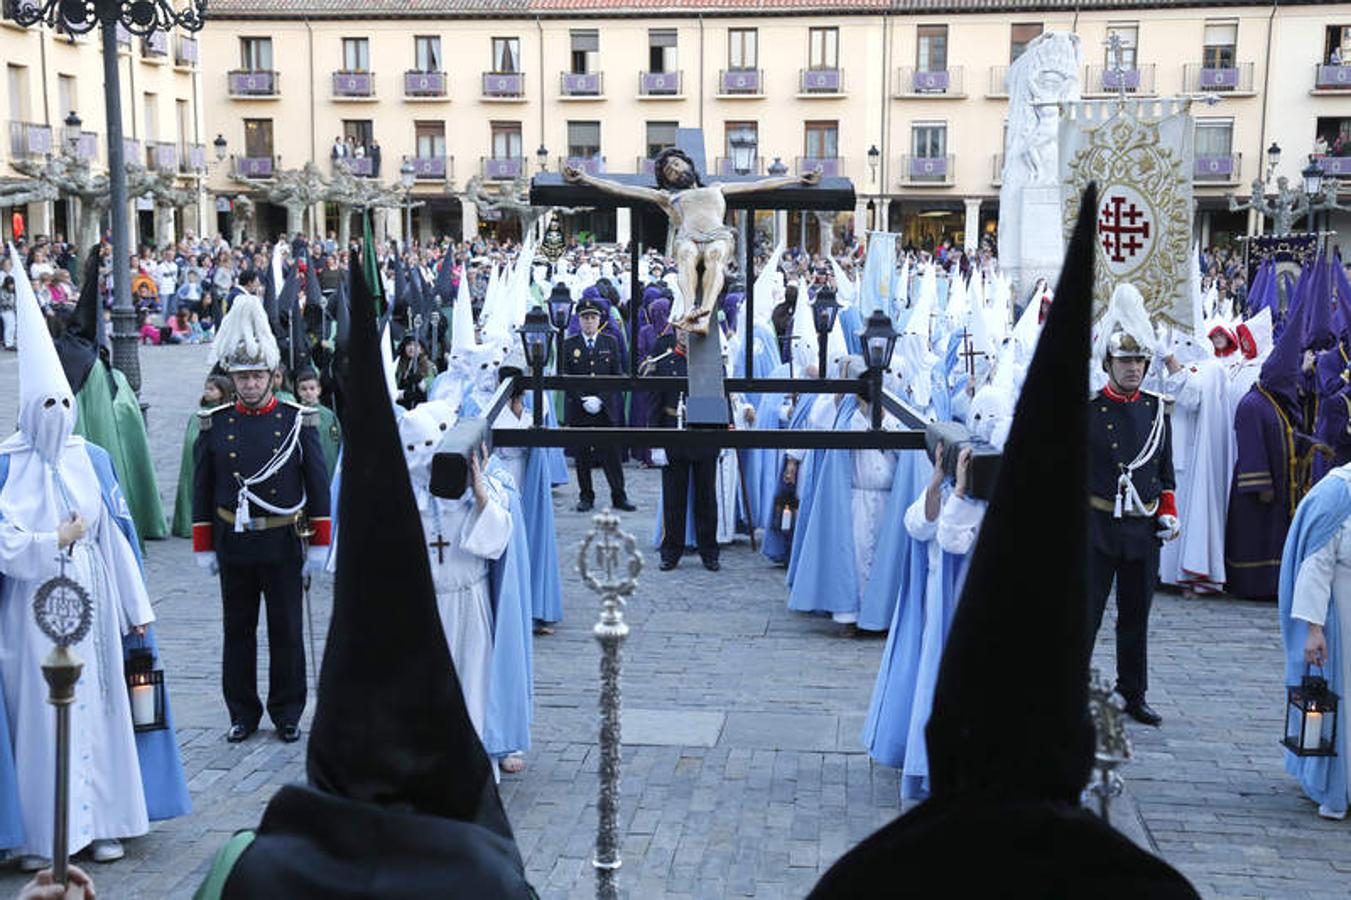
column 743, row 774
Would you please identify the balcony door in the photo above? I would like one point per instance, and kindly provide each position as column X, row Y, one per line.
column 821, row 140
column 506, row 140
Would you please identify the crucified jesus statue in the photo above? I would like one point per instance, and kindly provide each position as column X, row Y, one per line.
column 702, row 240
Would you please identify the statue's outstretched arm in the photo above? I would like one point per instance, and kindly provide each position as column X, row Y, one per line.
column 769, row 184
column 615, row 189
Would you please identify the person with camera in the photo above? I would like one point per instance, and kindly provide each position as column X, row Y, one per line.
column 1132, row 509
column 594, row 353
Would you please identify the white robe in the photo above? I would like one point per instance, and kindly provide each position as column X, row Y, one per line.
column 514, row 458
column 873, row 473
column 1322, row 576
column 463, row 594
column 1203, row 463
column 106, row 795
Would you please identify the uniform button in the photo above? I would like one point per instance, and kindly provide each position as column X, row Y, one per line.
column 277, row 433
column 1104, row 409
column 230, row 420
column 278, row 415
column 1113, row 446
column 1109, row 426
column 229, row 437
column 236, row 474
column 233, row 454
column 273, row 492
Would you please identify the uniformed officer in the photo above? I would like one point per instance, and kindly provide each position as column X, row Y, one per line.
column 260, row 519
column 593, row 353
column 1132, row 509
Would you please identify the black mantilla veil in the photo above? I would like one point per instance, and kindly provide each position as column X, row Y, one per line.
column 401, row 801
column 1007, row 767
column 659, row 164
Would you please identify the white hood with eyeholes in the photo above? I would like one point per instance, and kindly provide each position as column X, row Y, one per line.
column 50, row 475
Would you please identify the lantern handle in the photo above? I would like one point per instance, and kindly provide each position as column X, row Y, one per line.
column 1318, row 666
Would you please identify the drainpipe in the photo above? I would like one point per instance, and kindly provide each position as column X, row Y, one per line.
column 701, row 77
column 539, row 27
column 314, row 137
column 1266, row 95
column 880, row 220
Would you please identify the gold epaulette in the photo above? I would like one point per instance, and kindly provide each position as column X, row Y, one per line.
column 204, row 416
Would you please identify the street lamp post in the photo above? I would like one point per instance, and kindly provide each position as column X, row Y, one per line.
column 220, row 144
column 70, row 135
column 142, row 18
column 407, row 175
column 542, row 157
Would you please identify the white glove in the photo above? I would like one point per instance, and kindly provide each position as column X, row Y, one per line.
column 1169, row 528
column 591, row 405
column 659, row 457
column 206, row 560
column 315, row 558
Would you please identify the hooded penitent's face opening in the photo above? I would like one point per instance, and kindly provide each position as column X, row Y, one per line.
column 48, row 421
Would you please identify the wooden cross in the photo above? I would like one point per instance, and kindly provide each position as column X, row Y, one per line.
column 969, row 353
column 440, row 545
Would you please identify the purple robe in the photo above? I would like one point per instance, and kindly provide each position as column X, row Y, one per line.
column 1254, row 534
column 1334, row 412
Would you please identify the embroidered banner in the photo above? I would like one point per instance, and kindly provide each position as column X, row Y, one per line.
column 1140, row 153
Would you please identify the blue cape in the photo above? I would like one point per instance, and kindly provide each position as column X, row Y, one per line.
column 511, row 693
column 162, row 779
column 851, row 323
column 806, row 484
column 763, row 472
column 537, row 509
column 1318, row 518
column 826, row 579
column 892, row 561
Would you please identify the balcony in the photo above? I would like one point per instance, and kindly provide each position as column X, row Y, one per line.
column 131, row 151
column 740, row 83
column 502, row 168
column 1235, row 79
column 1337, row 166
column 1217, row 168
column 433, row 168
column 503, row 85
column 591, row 165
column 249, row 84
column 123, row 37
column 425, row 85
column 999, row 82
column 1332, row 78
column 185, row 52
column 830, row 166
column 353, row 85
column 29, row 139
column 927, row 171
column 161, row 156
column 191, row 158
column 1136, row 80
column 660, row 85
column 723, row 165
column 360, row 166
column 581, row 85
column 997, row 170
column 155, row 46
column 254, row 166
column 929, row 84
column 87, row 147
column 820, row 82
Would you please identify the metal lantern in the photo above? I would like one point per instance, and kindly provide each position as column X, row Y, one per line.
column 743, row 154
column 542, row 157
column 785, row 511
column 407, row 174
column 1310, row 717
column 1273, row 155
column 220, row 144
column 824, row 310
column 145, row 690
column 878, row 339
column 777, row 168
column 536, row 335
column 71, row 133
column 560, row 309
column 874, row 156
column 1313, row 178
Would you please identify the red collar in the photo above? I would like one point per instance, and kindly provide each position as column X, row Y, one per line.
column 1116, row 396
column 678, row 351
column 263, row 410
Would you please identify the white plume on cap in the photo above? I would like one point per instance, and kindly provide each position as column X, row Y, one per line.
column 244, row 341
column 1125, row 314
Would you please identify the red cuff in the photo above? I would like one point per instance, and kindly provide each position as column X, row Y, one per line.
column 203, row 539
column 323, row 532
column 1167, row 505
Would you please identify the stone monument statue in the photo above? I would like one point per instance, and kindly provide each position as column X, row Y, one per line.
column 702, row 239
column 1030, row 237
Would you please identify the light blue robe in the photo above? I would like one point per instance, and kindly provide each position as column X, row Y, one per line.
column 805, row 486
column 162, row 779
column 1317, row 520
column 511, row 691
column 537, row 510
column 825, row 577
column 851, row 323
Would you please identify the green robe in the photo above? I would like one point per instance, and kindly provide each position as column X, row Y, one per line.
column 330, row 438
column 116, row 425
column 182, row 526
